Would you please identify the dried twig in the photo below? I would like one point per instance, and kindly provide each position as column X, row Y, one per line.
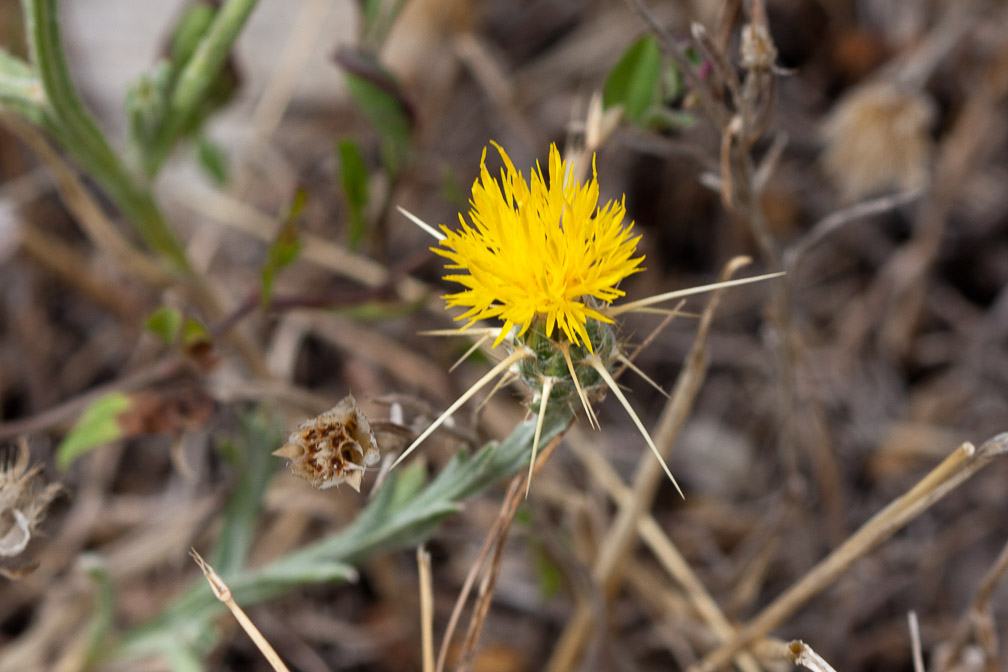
column 915, row 641
column 664, row 550
column 426, row 609
column 499, row 538
column 622, row 535
column 978, row 619
column 223, row 593
column 829, row 224
column 795, row 652
column 954, row 470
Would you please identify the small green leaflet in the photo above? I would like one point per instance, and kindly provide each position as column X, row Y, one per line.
column 98, row 425
column 635, row 80
column 354, row 180
column 165, row 323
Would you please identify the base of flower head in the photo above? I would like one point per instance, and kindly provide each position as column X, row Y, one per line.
column 561, row 361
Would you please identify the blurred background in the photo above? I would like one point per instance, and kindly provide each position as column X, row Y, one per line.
column 865, row 156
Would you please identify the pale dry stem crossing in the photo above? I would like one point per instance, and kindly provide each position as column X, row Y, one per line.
column 223, row 593
column 480, row 342
column 953, row 471
column 426, row 608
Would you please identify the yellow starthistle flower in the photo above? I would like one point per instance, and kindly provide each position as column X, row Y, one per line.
column 539, row 251
column 539, row 256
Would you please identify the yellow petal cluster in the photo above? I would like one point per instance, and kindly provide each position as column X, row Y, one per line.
column 539, row 252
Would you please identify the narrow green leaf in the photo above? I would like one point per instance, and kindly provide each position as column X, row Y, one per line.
column 212, row 160
column 190, row 29
column 103, row 605
column 253, row 465
column 165, row 323
column 634, row 80
column 452, row 190
column 548, row 573
column 354, row 180
column 285, row 248
column 98, row 425
column 381, row 108
column 202, row 72
column 379, row 95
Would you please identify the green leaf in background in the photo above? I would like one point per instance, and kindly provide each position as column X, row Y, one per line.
column 212, row 160
column 634, row 80
column 377, row 19
column 383, row 109
column 452, row 190
column 190, row 29
column 354, row 180
column 253, row 464
column 285, row 248
column 663, row 117
column 165, row 323
column 146, row 103
column 377, row 92
column 549, row 574
column 98, row 425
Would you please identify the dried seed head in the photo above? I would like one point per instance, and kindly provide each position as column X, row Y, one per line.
column 24, row 498
column 758, row 50
column 877, row 138
column 333, row 448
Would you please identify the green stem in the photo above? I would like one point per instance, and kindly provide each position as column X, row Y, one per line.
column 67, row 119
column 197, row 76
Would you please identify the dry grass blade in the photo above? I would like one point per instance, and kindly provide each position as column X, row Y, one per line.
column 495, row 540
column 978, row 619
column 802, row 654
column 426, row 609
column 493, row 536
column 223, row 593
column 89, row 214
column 953, row 471
column 915, row 642
column 664, row 550
column 622, row 535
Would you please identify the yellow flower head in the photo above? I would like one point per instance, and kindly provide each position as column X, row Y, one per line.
column 539, row 252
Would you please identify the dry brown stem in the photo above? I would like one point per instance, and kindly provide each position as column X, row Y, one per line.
column 663, row 548
column 426, row 609
column 495, row 541
column 620, row 540
column 223, row 593
column 978, row 619
column 953, row 471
